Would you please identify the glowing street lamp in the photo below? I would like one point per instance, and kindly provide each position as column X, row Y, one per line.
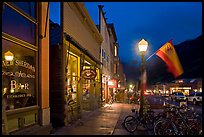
column 142, row 45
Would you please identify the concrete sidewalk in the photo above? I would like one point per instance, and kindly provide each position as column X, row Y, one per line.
column 106, row 120
column 99, row 122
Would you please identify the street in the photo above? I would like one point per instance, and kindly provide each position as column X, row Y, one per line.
column 107, row 120
column 161, row 99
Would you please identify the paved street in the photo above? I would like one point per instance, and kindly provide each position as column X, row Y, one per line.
column 105, row 121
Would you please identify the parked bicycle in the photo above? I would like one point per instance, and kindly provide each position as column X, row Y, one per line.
column 178, row 122
column 131, row 122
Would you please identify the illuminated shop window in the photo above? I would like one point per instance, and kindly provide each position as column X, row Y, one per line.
column 97, row 79
column 115, row 53
column 89, row 73
column 18, row 76
column 72, row 76
column 86, row 89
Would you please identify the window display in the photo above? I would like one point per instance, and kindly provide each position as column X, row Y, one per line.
column 18, row 76
column 86, row 89
column 72, row 76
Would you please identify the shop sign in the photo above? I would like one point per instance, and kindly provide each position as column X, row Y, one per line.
column 113, row 83
column 13, row 70
column 88, row 73
column 18, row 63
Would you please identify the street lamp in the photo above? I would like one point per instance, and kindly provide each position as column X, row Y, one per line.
column 142, row 49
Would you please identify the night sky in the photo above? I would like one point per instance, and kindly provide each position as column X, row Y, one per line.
column 156, row 22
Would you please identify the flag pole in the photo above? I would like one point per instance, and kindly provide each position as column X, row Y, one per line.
column 151, row 55
column 170, row 41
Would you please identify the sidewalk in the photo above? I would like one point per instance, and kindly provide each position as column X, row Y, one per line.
column 48, row 130
column 106, row 120
column 99, row 122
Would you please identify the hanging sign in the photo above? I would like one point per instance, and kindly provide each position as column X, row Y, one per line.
column 88, row 73
column 113, row 83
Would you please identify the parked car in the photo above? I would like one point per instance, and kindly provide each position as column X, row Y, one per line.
column 178, row 96
column 195, row 97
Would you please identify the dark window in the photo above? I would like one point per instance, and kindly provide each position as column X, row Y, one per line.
column 179, row 93
column 192, row 94
column 18, row 26
column 28, row 7
column 199, row 94
column 18, row 76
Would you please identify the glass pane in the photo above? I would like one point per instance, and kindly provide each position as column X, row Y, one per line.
column 86, row 89
column 199, row 94
column 28, row 7
column 18, row 76
column 72, row 77
column 18, row 26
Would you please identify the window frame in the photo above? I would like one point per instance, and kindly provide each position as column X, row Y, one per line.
column 25, row 44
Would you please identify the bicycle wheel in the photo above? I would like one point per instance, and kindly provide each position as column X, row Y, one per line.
column 130, row 123
column 149, row 120
column 164, row 127
column 149, row 123
column 158, row 117
column 194, row 129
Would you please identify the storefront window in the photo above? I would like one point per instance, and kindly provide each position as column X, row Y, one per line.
column 86, row 89
column 89, row 73
column 97, row 78
column 72, row 76
column 18, row 76
column 18, row 26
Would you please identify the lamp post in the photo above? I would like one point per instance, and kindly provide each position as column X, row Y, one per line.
column 142, row 49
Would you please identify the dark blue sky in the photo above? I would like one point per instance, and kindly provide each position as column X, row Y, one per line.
column 156, row 22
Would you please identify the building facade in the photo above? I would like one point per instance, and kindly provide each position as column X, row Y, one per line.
column 117, row 68
column 75, row 71
column 25, row 75
column 186, row 86
column 115, row 61
column 106, row 56
column 112, row 73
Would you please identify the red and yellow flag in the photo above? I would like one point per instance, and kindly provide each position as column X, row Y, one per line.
column 168, row 54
